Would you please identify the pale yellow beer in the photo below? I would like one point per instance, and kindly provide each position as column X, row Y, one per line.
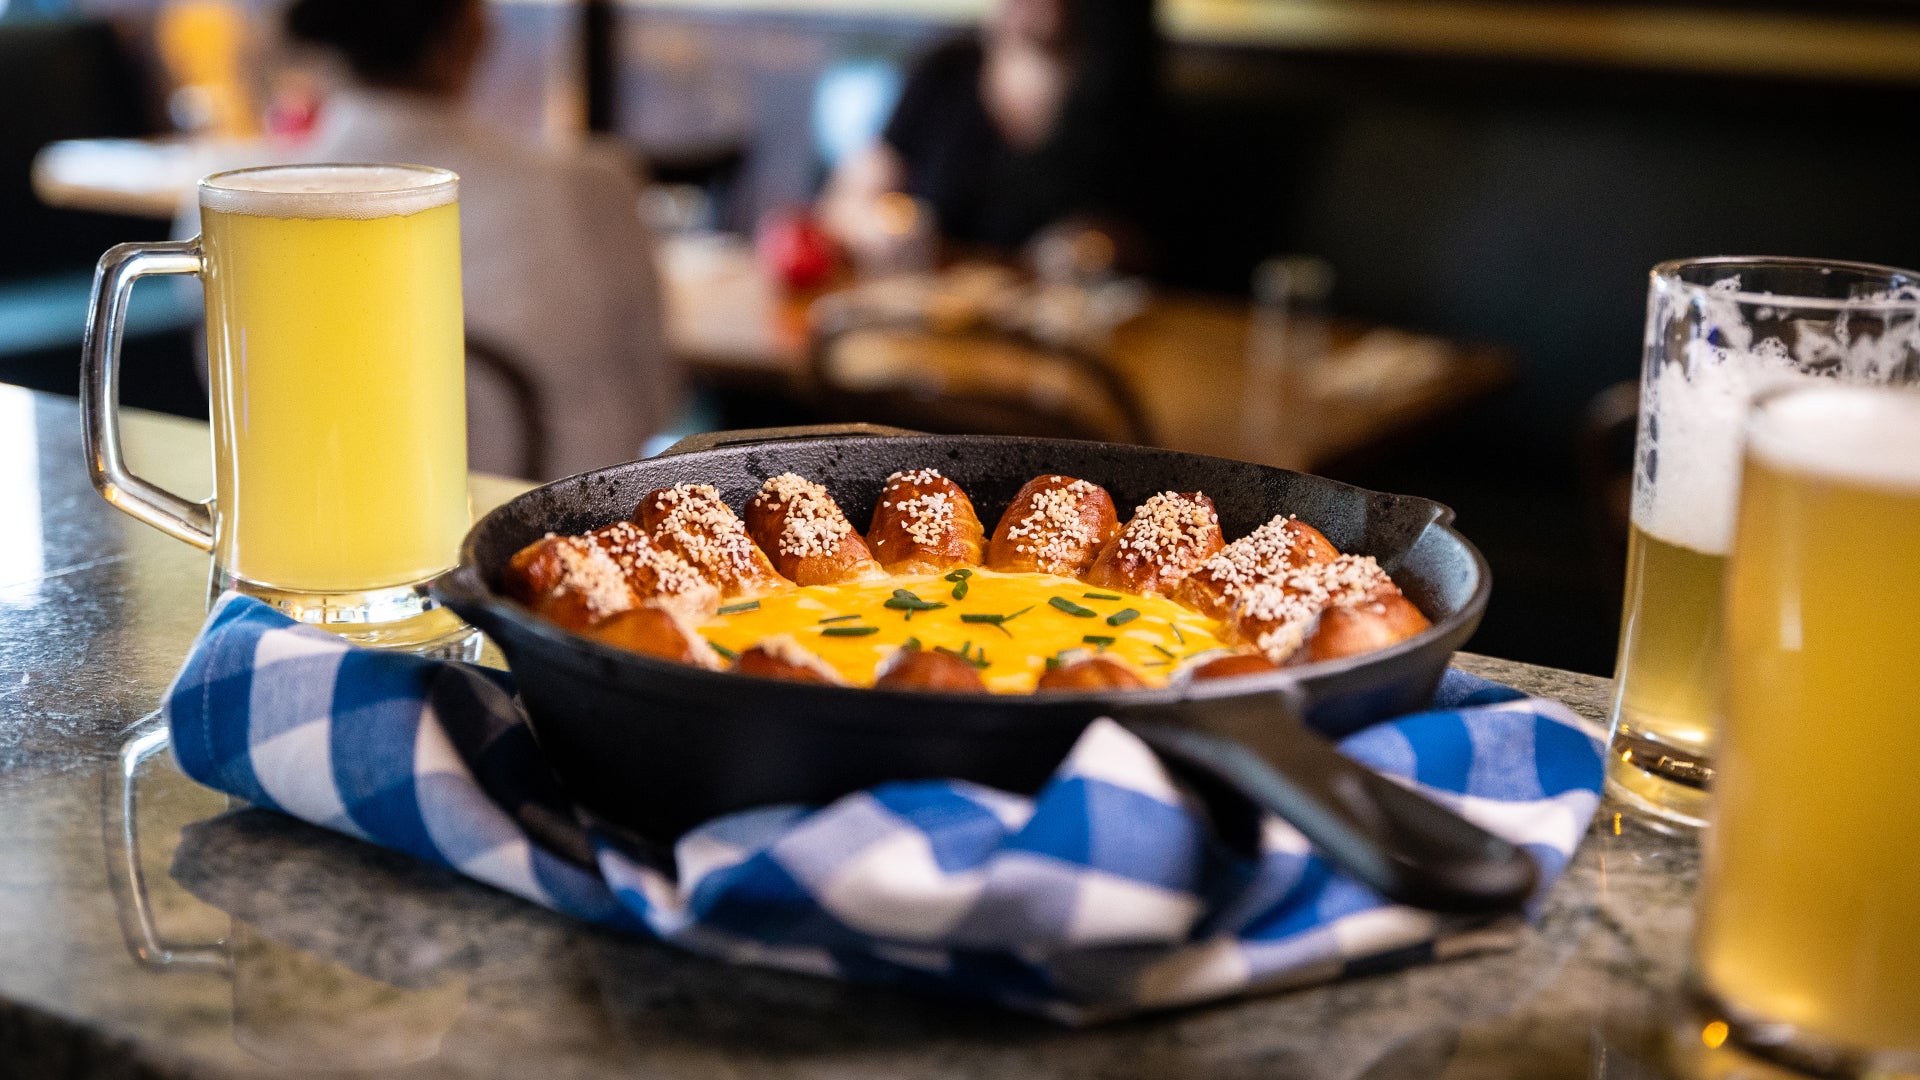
column 336, row 356
column 1667, row 696
column 1810, row 912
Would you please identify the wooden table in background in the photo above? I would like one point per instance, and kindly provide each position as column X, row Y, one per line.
column 1186, row 357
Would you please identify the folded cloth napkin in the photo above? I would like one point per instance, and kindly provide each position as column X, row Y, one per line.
column 1101, row 895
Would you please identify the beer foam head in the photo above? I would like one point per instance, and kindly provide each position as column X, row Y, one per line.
column 329, row 191
column 1853, row 434
column 1685, row 491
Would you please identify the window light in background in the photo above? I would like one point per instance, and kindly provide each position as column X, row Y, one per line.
column 851, row 104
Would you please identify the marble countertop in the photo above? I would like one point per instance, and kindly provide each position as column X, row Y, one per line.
column 273, row 948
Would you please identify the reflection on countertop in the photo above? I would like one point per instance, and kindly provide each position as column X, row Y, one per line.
column 339, row 957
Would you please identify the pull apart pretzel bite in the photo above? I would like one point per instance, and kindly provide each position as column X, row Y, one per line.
column 1170, row 535
column 693, row 522
column 658, row 632
column 806, row 535
column 1366, row 611
column 928, row 669
column 1269, row 554
column 569, row 580
column 1055, row 525
column 578, row 581
column 1091, row 673
column 925, row 524
column 781, row 657
column 1325, row 612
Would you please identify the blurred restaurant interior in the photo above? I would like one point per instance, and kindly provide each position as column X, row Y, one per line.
column 1402, row 243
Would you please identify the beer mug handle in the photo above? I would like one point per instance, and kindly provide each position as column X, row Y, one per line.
column 113, row 282
column 126, row 879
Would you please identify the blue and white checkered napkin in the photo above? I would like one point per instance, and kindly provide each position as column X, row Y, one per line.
column 1102, row 895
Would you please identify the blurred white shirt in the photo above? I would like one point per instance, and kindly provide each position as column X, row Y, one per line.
column 558, row 275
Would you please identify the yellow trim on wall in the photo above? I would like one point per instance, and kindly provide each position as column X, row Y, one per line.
column 1700, row 40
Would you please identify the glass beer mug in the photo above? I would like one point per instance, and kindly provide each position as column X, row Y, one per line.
column 1718, row 332
column 336, row 359
column 1808, row 946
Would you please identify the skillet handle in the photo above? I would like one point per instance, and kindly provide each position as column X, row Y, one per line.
column 1399, row 843
column 713, row 440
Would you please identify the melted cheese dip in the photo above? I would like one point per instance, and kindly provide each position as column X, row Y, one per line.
column 1155, row 641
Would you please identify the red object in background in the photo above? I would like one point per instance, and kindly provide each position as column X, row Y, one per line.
column 794, row 247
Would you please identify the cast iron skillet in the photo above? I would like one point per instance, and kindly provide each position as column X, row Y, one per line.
column 659, row 747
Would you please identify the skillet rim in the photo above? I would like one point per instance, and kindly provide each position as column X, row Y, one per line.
column 467, row 583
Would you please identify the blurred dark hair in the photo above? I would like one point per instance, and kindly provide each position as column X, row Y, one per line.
column 384, row 42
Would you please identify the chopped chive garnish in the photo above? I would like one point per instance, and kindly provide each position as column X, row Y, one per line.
column 735, row 609
column 912, row 644
column 1177, row 635
column 909, row 603
column 961, row 574
column 1122, row 617
column 838, row 618
column 965, row 653
column 906, row 601
column 1163, row 651
column 1155, row 663
column 1098, row 639
column 1099, row 596
column 849, row 631
column 725, row 653
column 960, row 589
column 1053, row 662
column 996, row 621
column 1071, row 608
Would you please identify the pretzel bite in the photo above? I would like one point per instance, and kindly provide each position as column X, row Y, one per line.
column 1231, row 666
column 1170, row 535
column 1281, row 619
column 1271, row 553
column 570, row 580
column 1365, row 611
column 693, row 522
column 925, row 524
column 656, row 574
column 656, row 631
column 1091, row 673
column 1055, row 525
column 928, row 669
column 806, row 535
column 1276, row 617
column 781, row 657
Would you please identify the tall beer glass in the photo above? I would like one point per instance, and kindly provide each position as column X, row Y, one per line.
column 1809, row 939
column 1718, row 332
column 336, row 356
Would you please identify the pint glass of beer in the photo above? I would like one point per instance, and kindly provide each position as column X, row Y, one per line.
column 336, row 358
column 1808, row 945
column 1718, row 332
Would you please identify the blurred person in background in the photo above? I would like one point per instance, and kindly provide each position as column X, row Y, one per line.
column 1044, row 119
column 556, row 262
